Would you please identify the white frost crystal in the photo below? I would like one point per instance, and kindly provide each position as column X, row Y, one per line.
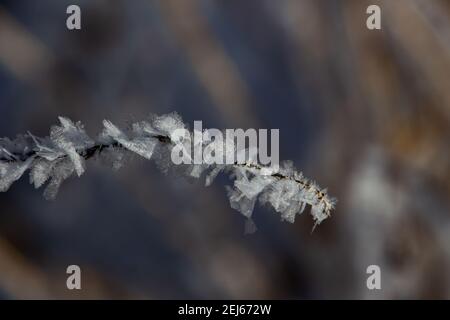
column 140, row 144
column 62, row 170
column 55, row 158
column 12, row 171
column 40, row 172
column 168, row 123
column 71, row 138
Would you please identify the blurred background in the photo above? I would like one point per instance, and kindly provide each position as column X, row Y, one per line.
column 364, row 113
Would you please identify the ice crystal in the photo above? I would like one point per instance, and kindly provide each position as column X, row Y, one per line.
column 55, row 158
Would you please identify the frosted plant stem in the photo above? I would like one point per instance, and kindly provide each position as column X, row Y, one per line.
column 64, row 152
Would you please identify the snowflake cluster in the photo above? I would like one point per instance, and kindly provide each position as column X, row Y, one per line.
column 64, row 152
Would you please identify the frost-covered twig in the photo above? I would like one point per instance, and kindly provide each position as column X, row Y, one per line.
column 65, row 151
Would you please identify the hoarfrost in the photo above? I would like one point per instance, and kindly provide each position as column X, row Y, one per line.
column 40, row 172
column 12, row 171
column 62, row 170
column 142, row 145
column 64, row 152
column 71, row 138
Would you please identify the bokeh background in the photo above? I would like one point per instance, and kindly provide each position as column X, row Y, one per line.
column 364, row 113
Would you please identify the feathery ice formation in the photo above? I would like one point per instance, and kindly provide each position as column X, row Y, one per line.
column 57, row 157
